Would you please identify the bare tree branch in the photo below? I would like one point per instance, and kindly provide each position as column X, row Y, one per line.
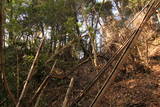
column 30, row 73
column 45, row 81
column 65, row 102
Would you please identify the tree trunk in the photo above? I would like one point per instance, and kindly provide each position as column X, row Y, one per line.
column 3, row 76
column 1, row 36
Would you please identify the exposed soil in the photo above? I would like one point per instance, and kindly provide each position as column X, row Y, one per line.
column 138, row 87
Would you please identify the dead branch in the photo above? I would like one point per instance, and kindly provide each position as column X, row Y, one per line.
column 25, row 87
column 65, row 103
column 45, row 81
column 39, row 96
column 139, row 13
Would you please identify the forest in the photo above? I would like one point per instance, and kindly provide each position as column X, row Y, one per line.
column 79, row 53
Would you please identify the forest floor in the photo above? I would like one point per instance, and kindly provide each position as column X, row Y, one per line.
column 136, row 87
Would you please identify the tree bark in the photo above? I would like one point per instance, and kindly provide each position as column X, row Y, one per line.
column 3, row 76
